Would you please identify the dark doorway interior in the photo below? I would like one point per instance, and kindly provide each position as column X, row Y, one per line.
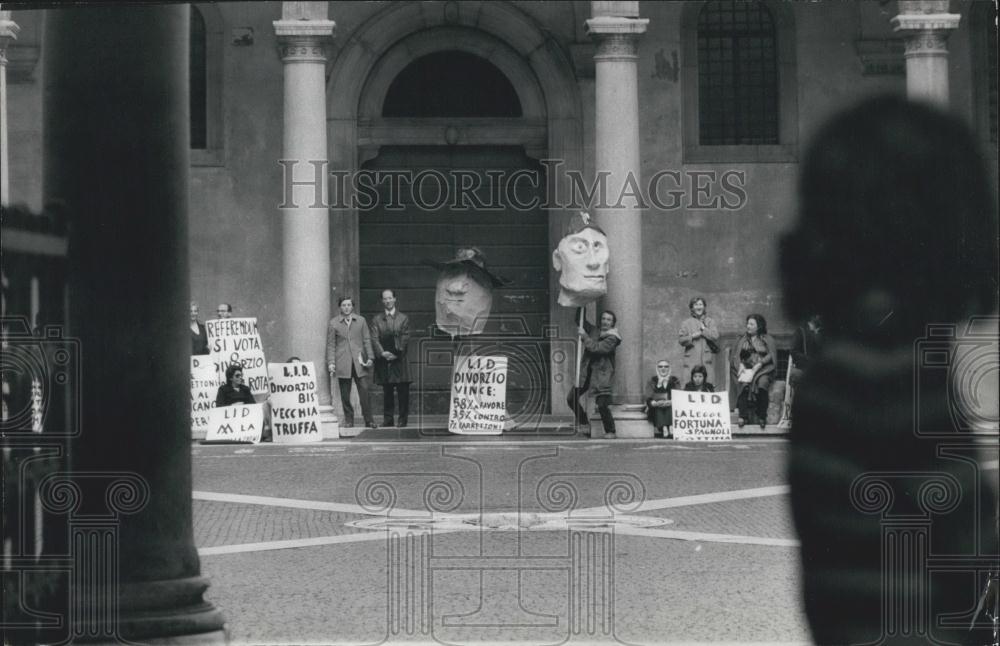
column 451, row 84
column 394, row 243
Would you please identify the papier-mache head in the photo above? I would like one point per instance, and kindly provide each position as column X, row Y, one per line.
column 582, row 260
column 464, row 293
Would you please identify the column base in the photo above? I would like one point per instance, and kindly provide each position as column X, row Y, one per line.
column 329, row 423
column 160, row 612
column 630, row 421
column 200, row 639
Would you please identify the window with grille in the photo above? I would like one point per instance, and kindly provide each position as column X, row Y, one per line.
column 737, row 74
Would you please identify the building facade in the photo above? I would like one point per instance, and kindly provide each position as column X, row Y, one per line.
column 694, row 114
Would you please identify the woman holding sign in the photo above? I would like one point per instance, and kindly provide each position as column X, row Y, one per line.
column 234, row 391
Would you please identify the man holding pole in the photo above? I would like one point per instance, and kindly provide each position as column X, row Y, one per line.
column 598, row 368
column 582, row 260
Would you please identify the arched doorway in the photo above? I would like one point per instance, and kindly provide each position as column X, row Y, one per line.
column 550, row 125
column 459, row 194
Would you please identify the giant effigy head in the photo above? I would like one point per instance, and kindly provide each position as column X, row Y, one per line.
column 463, row 297
column 582, row 260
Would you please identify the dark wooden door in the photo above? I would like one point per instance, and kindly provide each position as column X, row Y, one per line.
column 394, row 244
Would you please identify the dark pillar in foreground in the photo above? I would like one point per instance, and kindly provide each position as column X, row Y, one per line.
column 116, row 158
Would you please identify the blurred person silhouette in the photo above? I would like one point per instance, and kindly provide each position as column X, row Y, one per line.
column 896, row 231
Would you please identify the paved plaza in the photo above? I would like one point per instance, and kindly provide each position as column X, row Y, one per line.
column 542, row 542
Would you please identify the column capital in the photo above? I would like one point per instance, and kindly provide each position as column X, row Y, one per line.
column 925, row 34
column 303, row 40
column 616, row 25
column 8, row 33
column 913, row 22
column 617, row 38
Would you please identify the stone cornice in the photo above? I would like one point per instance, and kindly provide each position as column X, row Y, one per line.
column 8, row 33
column 8, row 28
column 304, row 28
column 925, row 22
column 614, row 26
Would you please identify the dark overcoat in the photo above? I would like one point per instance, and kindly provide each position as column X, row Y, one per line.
column 199, row 341
column 660, row 415
column 598, row 366
column 764, row 352
column 391, row 334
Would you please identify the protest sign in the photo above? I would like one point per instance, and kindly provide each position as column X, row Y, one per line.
column 237, row 423
column 294, row 404
column 205, row 384
column 236, row 340
column 701, row 417
column 478, row 396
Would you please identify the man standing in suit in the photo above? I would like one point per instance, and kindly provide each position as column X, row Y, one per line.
column 390, row 336
column 349, row 357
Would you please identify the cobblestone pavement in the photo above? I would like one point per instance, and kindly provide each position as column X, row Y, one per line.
column 638, row 542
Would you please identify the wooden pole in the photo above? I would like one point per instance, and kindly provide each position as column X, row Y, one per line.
column 579, row 351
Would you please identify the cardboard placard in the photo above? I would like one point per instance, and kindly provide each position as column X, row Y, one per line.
column 294, row 403
column 205, row 384
column 237, row 340
column 478, row 396
column 236, row 423
column 701, row 417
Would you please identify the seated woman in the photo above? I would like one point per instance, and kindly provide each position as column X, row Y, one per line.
column 753, row 369
column 234, row 391
column 699, row 381
column 659, row 409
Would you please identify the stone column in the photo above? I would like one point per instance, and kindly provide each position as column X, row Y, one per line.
column 616, row 27
column 303, row 34
column 8, row 33
column 116, row 157
column 925, row 26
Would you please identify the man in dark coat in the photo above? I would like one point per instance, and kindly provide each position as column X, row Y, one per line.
column 390, row 337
